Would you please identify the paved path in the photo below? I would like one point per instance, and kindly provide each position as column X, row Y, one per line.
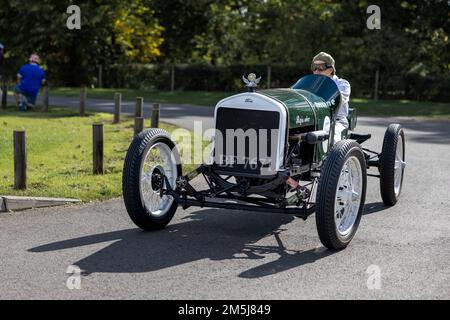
column 223, row 254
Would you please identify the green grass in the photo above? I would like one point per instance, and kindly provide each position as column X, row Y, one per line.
column 59, row 154
column 400, row 108
column 366, row 107
column 201, row 98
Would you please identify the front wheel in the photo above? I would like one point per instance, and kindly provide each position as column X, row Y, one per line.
column 341, row 194
column 151, row 155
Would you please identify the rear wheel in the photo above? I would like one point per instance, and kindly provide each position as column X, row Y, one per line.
column 151, row 155
column 392, row 164
column 341, row 194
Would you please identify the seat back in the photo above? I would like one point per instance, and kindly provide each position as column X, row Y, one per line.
column 351, row 118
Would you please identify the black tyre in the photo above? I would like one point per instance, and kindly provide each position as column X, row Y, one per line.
column 392, row 164
column 341, row 194
column 151, row 154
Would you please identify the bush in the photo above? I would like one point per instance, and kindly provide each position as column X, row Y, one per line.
column 196, row 77
column 205, row 77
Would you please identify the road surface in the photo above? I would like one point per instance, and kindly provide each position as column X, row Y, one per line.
column 400, row 252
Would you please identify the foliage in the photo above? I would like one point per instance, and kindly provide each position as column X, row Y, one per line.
column 394, row 83
column 411, row 50
column 110, row 31
column 136, row 32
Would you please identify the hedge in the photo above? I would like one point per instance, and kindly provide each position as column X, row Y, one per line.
column 206, row 77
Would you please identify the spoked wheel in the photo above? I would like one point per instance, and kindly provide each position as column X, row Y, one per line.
column 341, row 194
column 151, row 155
column 392, row 164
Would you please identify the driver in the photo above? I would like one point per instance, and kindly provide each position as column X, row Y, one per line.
column 323, row 64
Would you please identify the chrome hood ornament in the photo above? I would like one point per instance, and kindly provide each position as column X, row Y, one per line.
column 251, row 81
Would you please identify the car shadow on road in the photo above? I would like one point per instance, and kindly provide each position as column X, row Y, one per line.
column 207, row 234
column 288, row 259
column 374, row 207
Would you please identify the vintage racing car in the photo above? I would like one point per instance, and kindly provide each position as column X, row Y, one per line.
column 273, row 151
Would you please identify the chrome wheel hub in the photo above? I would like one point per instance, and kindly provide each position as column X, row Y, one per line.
column 399, row 166
column 348, row 196
column 157, row 163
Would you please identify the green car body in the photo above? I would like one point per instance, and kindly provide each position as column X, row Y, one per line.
column 308, row 111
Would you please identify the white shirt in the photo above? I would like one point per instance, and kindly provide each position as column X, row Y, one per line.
column 344, row 87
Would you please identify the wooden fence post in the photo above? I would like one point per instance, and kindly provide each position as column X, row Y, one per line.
column 139, row 111
column 117, row 107
column 97, row 148
column 100, row 76
column 20, row 160
column 45, row 98
column 172, row 77
column 377, row 79
column 4, row 95
column 155, row 115
column 83, row 101
column 138, row 125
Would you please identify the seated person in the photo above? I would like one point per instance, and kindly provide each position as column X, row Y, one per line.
column 30, row 78
column 323, row 64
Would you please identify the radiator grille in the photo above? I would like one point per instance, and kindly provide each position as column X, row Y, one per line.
column 249, row 140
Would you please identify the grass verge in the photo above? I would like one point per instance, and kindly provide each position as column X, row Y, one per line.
column 59, row 153
column 200, row 98
column 402, row 108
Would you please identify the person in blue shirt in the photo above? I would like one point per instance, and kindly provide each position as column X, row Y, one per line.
column 30, row 78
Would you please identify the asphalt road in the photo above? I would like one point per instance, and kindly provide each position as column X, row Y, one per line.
column 222, row 254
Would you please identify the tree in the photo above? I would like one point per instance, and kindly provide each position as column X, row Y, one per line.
column 111, row 31
column 182, row 21
column 136, row 31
